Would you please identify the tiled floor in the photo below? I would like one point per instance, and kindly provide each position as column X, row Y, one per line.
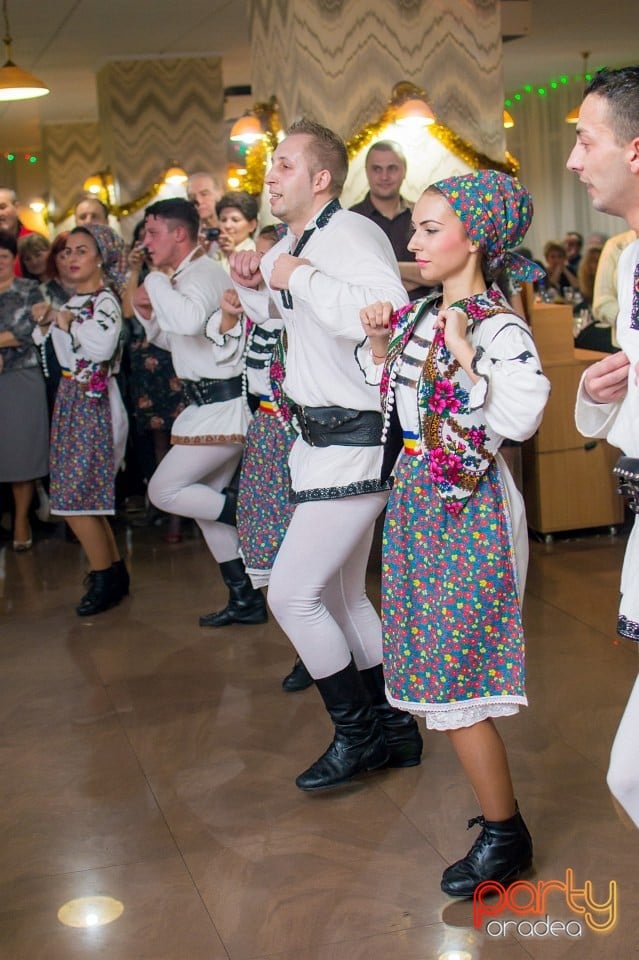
column 147, row 760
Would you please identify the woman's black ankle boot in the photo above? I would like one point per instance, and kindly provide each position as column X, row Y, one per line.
column 502, row 852
column 102, row 594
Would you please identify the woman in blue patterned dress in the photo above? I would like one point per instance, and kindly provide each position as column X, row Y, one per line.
column 460, row 374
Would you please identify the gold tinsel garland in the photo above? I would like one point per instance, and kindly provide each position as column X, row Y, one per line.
column 123, row 210
column 461, row 148
column 258, row 153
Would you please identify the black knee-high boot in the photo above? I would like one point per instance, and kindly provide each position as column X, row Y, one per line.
column 246, row 604
column 229, row 510
column 359, row 745
column 502, row 851
column 402, row 734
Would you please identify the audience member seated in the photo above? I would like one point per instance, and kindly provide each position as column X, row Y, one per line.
column 587, row 271
column 561, row 282
column 573, row 244
column 605, row 306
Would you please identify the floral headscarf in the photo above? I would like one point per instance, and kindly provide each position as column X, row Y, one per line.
column 112, row 250
column 495, row 211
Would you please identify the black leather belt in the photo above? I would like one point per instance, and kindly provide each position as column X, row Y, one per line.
column 626, row 470
column 339, row 426
column 201, row 392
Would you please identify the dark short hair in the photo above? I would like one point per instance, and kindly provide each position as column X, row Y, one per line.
column 575, row 233
column 241, row 200
column 326, row 151
column 390, row 146
column 8, row 242
column 621, row 90
column 176, row 210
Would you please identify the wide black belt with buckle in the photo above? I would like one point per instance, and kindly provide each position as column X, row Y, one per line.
column 339, row 426
column 626, row 470
column 201, row 392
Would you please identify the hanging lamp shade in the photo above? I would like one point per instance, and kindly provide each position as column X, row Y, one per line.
column 247, row 129
column 16, row 83
column 508, row 120
column 573, row 116
column 414, row 112
column 175, row 174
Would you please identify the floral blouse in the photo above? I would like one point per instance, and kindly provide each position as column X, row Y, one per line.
column 90, row 351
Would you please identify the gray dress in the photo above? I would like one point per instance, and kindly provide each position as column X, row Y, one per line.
column 24, row 421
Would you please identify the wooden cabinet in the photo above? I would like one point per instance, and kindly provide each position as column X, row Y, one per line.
column 567, row 479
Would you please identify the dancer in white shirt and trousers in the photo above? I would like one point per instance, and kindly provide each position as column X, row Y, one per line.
column 182, row 314
column 327, row 267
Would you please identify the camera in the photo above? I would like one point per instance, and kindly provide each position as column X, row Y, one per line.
column 211, row 233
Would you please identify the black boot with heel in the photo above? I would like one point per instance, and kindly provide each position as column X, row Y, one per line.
column 402, row 734
column 502, row 852
column 359, row 745
column 103, row 593
column 246, row 604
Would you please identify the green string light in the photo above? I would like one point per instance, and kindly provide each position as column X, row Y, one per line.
column 552, row 84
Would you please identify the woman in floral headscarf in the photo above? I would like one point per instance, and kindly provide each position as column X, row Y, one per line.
column 460, row 374
column 88, row 433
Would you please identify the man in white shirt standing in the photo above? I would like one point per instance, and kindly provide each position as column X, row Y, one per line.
column 330, row 264
column 606, row 159
column 182, row 313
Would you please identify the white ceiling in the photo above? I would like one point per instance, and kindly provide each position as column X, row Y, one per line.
column 65, row 42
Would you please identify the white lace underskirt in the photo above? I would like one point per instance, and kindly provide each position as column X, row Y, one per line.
column 452, row 716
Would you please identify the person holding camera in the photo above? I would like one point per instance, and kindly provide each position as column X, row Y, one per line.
column 237, row 215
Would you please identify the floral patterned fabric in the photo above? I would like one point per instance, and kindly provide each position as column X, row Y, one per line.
column 457, row 440
column 156, row 390
column 453, row 637
column 496, row 211
column 82, row 452
column 264, row 509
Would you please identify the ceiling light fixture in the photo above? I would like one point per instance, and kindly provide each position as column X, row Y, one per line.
column 508, row 120
column 175, row 174
column 411, row 106
column 247, row 129
column 573, row 116
column 16, row 83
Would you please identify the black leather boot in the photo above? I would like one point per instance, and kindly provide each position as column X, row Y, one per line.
column 229, row 510
column 298, row 679
column 359, row 745
column 402, row 734
column 502, row 852
column 102, row 594
column 246, row 604
column 121, row 577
